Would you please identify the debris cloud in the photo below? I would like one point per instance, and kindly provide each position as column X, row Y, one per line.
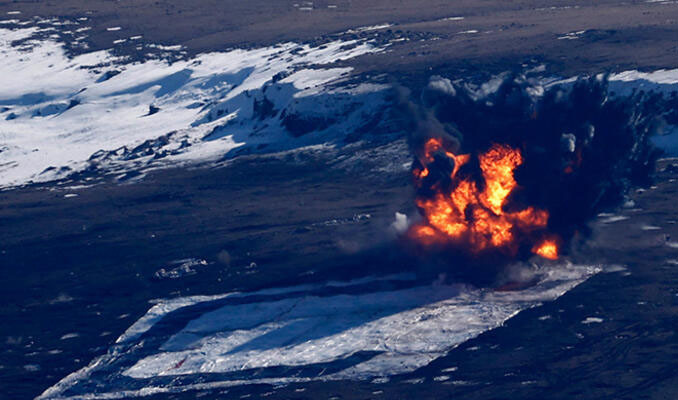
column 517, row 169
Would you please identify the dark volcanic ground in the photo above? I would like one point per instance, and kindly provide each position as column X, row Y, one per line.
column 87, row 264
column 620, row 35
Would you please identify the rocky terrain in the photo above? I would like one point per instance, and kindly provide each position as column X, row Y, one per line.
column 154, row 151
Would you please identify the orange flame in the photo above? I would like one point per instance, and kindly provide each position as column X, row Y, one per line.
column 477, row 218
column 547, row 249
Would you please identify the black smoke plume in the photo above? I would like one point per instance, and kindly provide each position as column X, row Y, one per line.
column 583, row 148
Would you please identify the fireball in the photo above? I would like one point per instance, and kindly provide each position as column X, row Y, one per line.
column 476, row 219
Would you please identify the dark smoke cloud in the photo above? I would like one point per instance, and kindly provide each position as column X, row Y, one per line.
column 582, row 147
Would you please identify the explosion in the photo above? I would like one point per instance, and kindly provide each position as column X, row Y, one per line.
column 548, row 249
column 520, row 170
column 457, row 211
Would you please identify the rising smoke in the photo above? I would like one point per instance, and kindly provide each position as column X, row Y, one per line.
column 580, row 147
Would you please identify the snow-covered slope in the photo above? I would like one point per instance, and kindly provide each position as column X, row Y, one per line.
column 96, row 110
column 102, row 113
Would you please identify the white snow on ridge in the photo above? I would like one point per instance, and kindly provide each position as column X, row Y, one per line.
column 370, row 28
column 655, row 79
column 299, row 334
column 102, row 113
column 57, row 112
column 571, row 35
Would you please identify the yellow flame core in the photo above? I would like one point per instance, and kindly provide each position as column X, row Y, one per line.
column 474, row 216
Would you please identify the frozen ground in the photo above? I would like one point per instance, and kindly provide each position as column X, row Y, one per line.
column 340, row 330
column 616, row 34
column 85, row 261
column 86, row 267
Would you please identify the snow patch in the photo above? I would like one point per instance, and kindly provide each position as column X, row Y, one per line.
column 613, row 218
column 69, row 336
column 350, row 330
column 571, row 35
column 65, row 115
column 456, row 18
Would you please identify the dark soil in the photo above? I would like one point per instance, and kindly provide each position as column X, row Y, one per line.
column 619, row 35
